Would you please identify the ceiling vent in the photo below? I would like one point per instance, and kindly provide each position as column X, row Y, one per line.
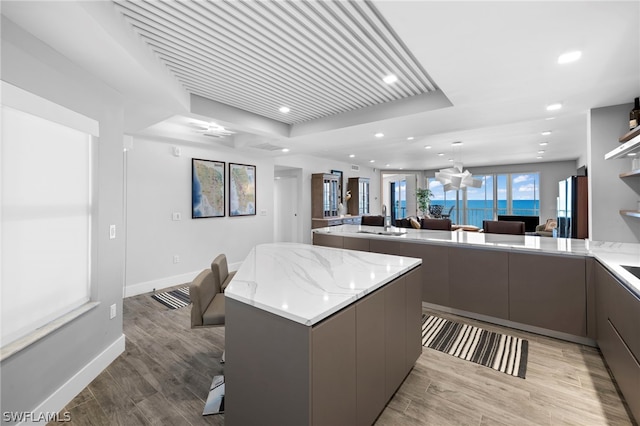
column 268, row 147
column 355, row 168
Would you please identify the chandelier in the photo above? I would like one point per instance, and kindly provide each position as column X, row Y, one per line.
column 454, row 178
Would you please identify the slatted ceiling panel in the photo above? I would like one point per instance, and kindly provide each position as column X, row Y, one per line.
column 237, row 71
column 320, row 58
column 304, row 41
column 391, row 44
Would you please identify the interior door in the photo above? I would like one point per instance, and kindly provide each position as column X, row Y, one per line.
column 285, row 206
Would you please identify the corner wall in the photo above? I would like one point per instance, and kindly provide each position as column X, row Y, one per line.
column 158, row 184
column 49, row 373
column 608, row 192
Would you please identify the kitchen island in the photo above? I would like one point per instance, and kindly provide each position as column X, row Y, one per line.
column 575, row 290
column 318, row 335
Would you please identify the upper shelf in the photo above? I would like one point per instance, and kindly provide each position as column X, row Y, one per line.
column 635, row 172
column 630, row 134
column 632, row 145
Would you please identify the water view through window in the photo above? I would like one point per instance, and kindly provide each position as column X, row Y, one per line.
column 509, row 193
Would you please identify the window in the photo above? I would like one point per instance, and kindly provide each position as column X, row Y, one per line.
column 500, row 194
column 46, row 213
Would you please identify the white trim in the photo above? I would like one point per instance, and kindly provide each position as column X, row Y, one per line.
column 162, row 283
column 147, row 286
column 17, row 98
column 65, row 393
column 16, row 346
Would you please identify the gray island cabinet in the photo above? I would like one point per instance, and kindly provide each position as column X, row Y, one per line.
column 318, row 336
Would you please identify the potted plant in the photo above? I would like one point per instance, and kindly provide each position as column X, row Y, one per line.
column 424, row 197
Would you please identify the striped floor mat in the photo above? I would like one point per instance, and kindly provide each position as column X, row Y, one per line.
column 173, row 299
column 501, row 352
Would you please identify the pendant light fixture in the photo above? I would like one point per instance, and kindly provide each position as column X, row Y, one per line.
column 454, row 178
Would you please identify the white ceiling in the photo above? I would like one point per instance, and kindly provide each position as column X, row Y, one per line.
column 478, row 72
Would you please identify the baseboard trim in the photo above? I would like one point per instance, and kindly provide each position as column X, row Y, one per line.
column 65, row 393
column 162, row 283
column 511, row 324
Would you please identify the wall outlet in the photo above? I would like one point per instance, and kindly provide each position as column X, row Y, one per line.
column 112, row 232
column 176, row 216
column 176, row 259
column 263, row 212
column 112, row 311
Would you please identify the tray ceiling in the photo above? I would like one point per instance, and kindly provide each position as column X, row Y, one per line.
column 318, row 58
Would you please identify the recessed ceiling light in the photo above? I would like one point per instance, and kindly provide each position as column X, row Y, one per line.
column 410, row 138
column 379, row 135
column 539, row 157
column 372, row 161
column 631, row 154
column 390, row 79
column 569, row 57
column 451, row 160
column 550, row 118
column 546, row 133
column 541, row 152
column 441, row 154
column 456, row 143
column 554, row 107
column 544, row 143
column 387, row 165
column 351, row 155
column 285, row 149
column 284, row 109
column 427, row 147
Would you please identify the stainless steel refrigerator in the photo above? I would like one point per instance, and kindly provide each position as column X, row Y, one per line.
column 573, row 202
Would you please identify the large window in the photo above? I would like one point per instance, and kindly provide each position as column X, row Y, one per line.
column 500, row 194
column 46, row 213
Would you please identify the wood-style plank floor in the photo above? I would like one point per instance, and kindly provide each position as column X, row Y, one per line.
column 164, row 374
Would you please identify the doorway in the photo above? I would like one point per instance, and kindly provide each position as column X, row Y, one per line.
column 286, row 196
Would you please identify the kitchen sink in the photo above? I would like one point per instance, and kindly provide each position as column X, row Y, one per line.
column 382, row 232
column 635, row 270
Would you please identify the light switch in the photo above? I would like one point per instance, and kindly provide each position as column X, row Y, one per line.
column 112, row 232
column 112, row 311
column 177, row 216
column 263, row 212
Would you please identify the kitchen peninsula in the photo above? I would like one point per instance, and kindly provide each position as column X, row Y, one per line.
column 318, row 335
column 576, row 290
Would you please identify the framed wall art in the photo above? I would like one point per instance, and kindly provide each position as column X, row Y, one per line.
column 207, row 188
column 242, row 190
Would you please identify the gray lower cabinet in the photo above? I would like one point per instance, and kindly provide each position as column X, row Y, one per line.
column 370, row 358
column 548, row 291
column 333, row 372
column 327, row 240
column 341, row 371
column 361, row 244
column 479, row 281
column 618, row 321
column 395, row 335
column 435, row 266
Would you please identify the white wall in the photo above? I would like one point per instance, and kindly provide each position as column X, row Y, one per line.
column 159, row 184
column 608, row 192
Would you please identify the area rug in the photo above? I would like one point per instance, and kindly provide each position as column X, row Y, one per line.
column 173, row 299
column 501, row 352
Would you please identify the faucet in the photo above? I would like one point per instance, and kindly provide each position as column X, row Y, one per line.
column 387, row 225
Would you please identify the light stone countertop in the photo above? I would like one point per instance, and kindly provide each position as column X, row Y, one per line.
column 610, row 254
column 307, row 283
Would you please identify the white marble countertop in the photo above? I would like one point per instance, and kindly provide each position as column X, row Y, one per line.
column 611, row 254
column 306, row 283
